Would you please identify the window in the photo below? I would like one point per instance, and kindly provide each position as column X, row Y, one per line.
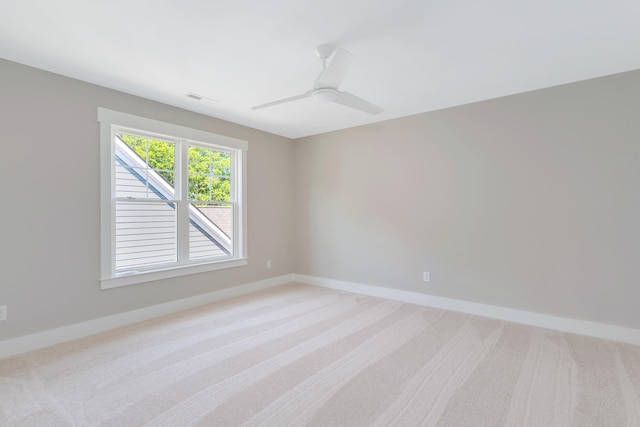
column 172, row 200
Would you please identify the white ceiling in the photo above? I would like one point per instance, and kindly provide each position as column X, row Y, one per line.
column 411, row 56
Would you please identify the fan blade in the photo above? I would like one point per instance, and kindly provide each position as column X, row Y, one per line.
column 345, row 98
column 307, row 94
column 335, row 72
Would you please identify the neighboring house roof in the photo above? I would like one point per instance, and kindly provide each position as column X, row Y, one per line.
column 220, row 216
column 145, row 234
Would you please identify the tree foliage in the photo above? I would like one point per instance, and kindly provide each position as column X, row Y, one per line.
column 209, row 173
column 208, row 169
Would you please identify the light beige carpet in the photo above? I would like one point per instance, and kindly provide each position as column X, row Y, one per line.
column 300, row 355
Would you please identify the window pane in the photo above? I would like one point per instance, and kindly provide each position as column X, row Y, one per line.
column 137, row 143
column 161, row 158
column 209, row 174
column 144, row 167
column 145, row 234
column 162, row 185
column 199, row 160
column 210, row 230
column 221, row 189
column 222, row 164
column 131, row 181
column 199, row 187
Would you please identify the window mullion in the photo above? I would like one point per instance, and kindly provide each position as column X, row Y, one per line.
column 182, row 197
column 112, row 203
column 235, row 202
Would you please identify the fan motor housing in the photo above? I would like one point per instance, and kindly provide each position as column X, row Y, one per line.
column 324, row 50
column 325, row 94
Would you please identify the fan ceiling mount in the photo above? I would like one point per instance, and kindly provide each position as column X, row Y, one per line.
column 335, row 63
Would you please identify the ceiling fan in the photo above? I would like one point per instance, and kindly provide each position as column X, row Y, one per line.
column 327, row 83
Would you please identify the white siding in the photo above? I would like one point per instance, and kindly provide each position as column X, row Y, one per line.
column 201, row 246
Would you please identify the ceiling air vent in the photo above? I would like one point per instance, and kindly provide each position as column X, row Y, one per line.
column 200, row 97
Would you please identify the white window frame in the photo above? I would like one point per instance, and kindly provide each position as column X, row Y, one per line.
column 110, row 121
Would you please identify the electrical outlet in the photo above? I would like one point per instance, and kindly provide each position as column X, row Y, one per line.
column 3, row 312
column 269, row 264
column 426, row 276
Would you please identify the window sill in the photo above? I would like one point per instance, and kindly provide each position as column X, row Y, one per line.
column 149, row 276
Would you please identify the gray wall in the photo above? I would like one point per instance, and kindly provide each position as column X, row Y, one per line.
column 530, row 201
column 49, row 183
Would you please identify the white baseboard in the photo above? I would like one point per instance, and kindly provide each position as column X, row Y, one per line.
column 23, row 344
column 581, row 327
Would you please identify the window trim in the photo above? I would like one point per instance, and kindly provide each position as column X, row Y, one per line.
column 109, row 120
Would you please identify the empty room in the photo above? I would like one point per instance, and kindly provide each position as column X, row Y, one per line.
column 338, row 213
